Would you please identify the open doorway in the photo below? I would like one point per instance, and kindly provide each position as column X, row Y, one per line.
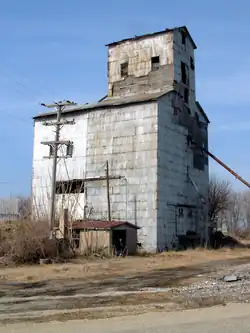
column 119, row 242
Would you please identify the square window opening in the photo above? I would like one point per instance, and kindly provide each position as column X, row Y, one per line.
column 155, row 63
column 124, row 69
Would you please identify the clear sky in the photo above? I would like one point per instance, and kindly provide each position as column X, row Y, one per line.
column 54, row 49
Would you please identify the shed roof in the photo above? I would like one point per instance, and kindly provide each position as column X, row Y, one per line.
column 80, row 225
column 155, row 34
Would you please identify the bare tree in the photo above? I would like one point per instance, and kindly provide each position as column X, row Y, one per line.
column 219, row 198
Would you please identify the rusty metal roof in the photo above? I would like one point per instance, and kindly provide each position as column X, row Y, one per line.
column 101, row 224
column 154, row 34
column 109, row 102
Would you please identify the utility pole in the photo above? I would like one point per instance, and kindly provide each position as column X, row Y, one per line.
column 60, row 106
column 108, row 194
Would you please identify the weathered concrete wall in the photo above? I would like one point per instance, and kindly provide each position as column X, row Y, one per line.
column 184, row 53
column 138, row 54
column 71, row 168
column 127, row 138
column 175, row 160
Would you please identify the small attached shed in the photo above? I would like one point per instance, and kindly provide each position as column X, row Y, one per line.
column 105, row 236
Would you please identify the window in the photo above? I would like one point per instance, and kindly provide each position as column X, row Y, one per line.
column 183, row 73
column 70, row 186
column 186, row 95
column 191, row 63
column 69, row 150
column 155, row 63
column 124, row 69
column 183, row 37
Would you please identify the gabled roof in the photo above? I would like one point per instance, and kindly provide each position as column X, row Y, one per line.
column 155, row 34
column 90, row 225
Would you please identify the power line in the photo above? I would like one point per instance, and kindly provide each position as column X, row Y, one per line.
column 55, row 145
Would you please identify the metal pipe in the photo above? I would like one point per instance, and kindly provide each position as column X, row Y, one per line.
column 227, row 168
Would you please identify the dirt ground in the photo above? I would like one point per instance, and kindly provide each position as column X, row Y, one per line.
column 89, row 288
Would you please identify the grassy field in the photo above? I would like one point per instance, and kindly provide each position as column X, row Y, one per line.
column 130, row 266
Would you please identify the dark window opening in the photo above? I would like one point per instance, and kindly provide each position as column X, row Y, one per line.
column 70, row 186
column 155, row 63
column 70, row 149
column 183, row 73
column 124, row 69
column 191, row 63
column 198, row 161
column 183, row 37
column 186, row 95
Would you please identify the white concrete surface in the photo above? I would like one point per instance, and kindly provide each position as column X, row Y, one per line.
column 229, row 319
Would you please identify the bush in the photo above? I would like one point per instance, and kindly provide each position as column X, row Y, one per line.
column 26, row 242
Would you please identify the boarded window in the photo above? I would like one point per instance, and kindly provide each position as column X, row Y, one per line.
column 70, row 186
column 124, row 69
column 198, row 161
column 183, row 72
column 155, row 63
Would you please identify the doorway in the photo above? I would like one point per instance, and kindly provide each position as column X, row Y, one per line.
column 119, row 241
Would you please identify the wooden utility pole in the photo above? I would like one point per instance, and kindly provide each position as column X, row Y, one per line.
column 55, row 145
column 108, row 194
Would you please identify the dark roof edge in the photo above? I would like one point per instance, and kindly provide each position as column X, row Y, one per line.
column 202, row 111
column 77, row 225
column 110, row 104
column 154, row 34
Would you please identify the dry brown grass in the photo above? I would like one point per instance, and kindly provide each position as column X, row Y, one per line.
column 87, row 269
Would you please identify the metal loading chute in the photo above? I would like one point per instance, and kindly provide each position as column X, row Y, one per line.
column 226, row 167
column 216, row 159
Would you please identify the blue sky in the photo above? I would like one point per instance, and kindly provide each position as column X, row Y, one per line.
column 54, row 49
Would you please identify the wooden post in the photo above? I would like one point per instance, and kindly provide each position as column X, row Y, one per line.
column 108, row 194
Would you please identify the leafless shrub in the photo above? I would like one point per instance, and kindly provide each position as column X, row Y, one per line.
column 26, row 242
column 219, row 196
